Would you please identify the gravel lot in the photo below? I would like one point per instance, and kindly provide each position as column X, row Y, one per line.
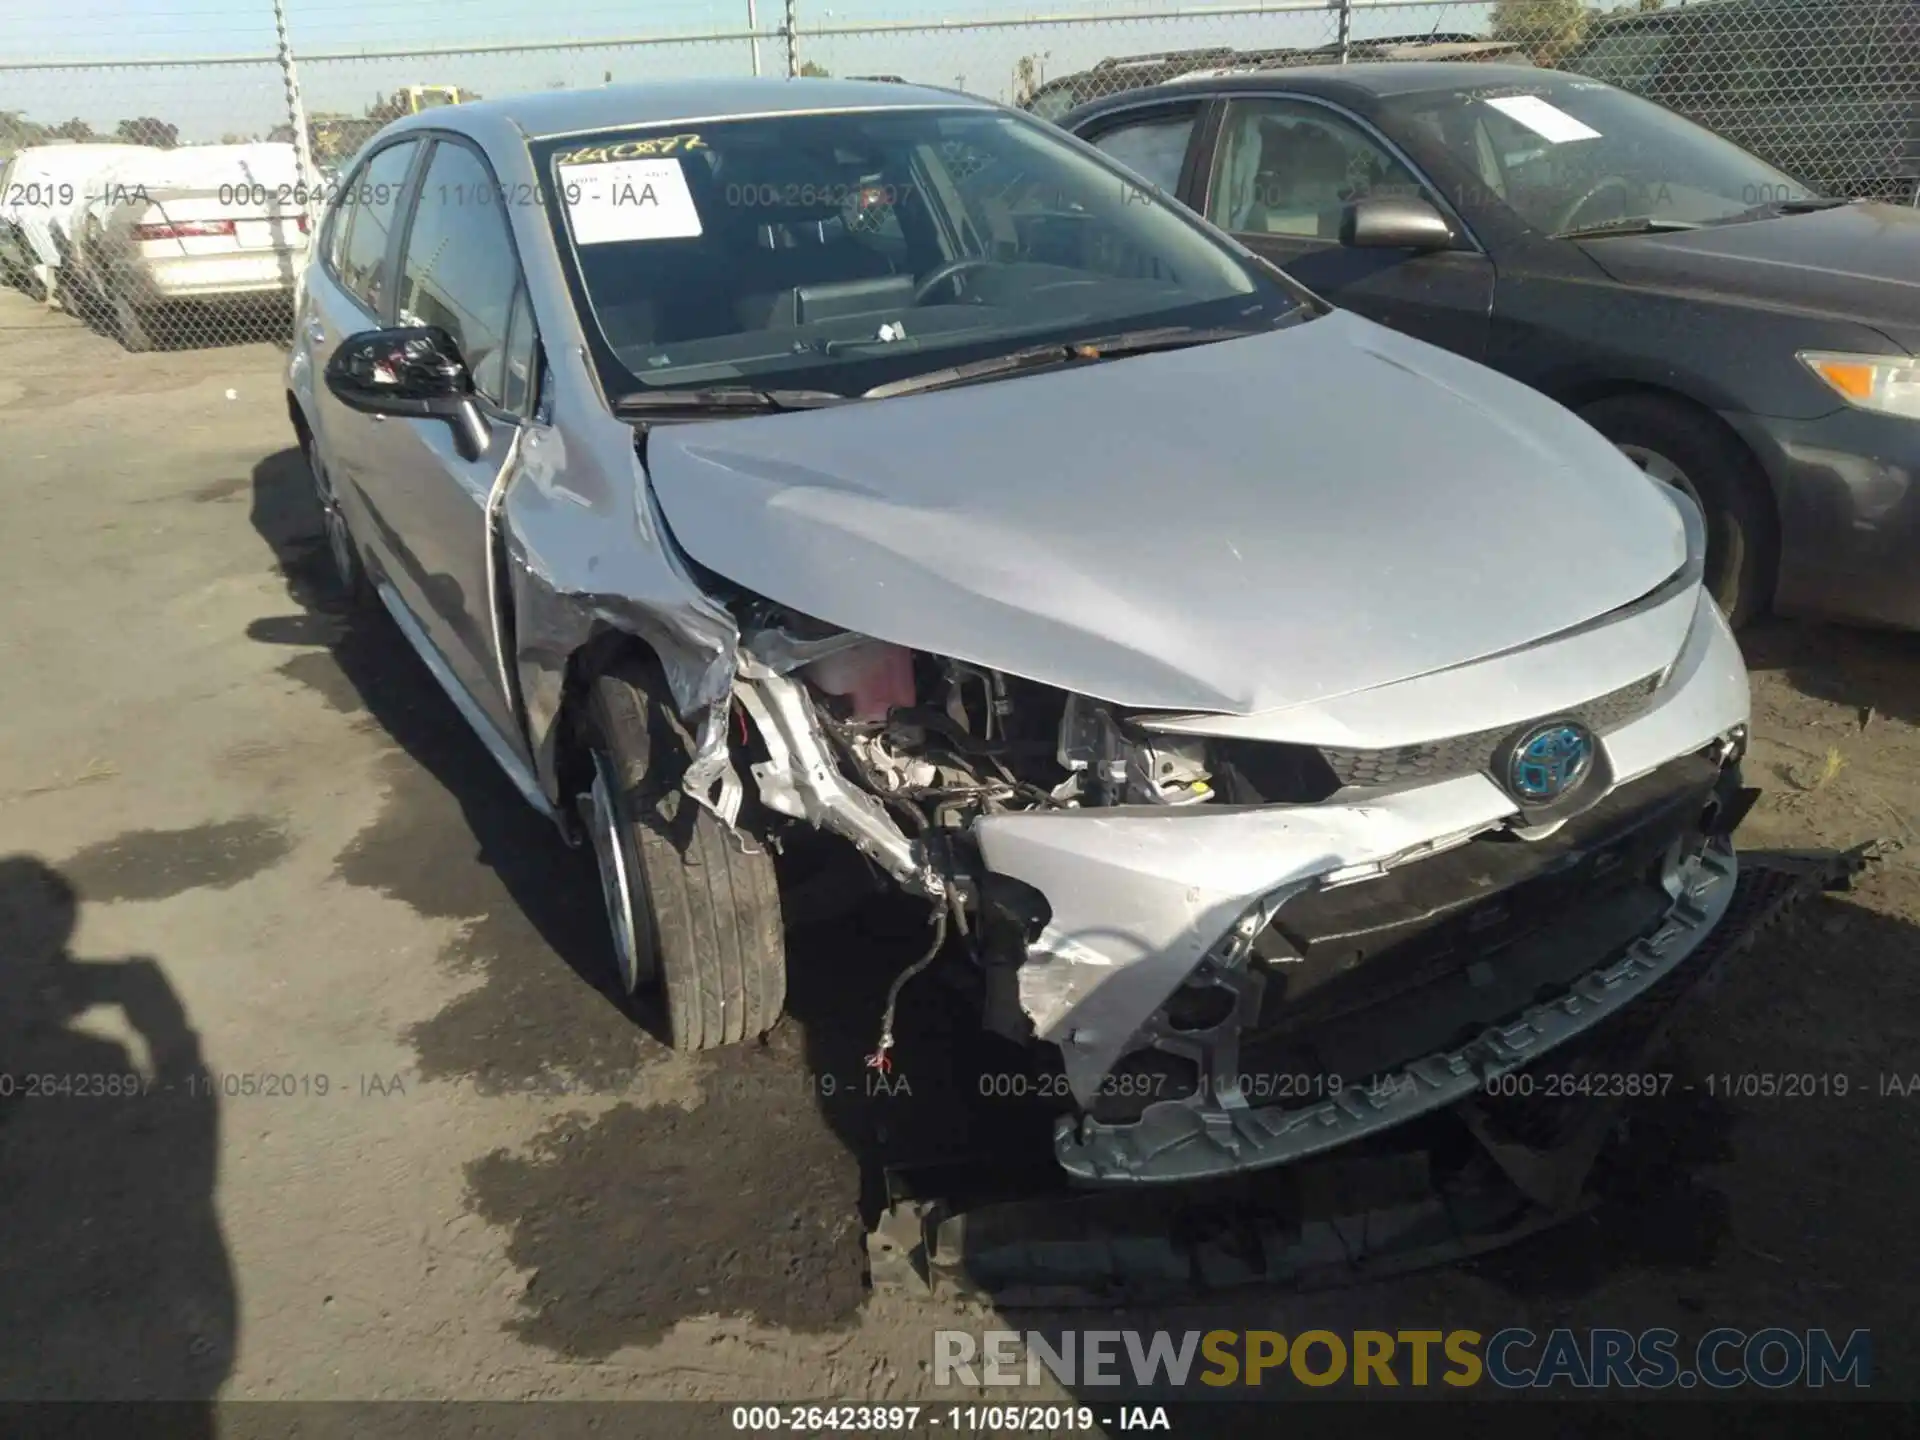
column 412, row 1149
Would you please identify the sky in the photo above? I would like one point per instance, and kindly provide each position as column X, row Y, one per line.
column 208, row 101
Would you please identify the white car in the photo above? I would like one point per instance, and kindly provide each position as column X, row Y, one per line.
column 221, row 224
column 41, row 191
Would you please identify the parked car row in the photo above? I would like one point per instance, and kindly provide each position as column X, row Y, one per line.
column 155, row 243
column 1247, row 687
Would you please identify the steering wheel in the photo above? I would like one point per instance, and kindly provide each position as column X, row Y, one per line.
column 944, row 274
column 1592, row 193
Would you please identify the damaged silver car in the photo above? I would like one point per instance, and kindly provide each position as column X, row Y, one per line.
column 1291, row 724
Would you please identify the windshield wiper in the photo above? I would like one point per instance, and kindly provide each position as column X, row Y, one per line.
column 1772, row 208
column 1039, row 357
column 724, row 400
column 1629, row 225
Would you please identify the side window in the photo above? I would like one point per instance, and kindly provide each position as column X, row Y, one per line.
column 1286, row 167
column 339, row 218
column 460, row 270
column 1152, row 148
column 371, row 201
column 522, row 351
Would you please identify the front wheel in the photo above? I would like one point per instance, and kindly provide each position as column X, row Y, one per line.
column 1689, row 450
column 691, row 906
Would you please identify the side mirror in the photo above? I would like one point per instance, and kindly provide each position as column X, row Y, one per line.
column 416, row 371
column 1394, row 222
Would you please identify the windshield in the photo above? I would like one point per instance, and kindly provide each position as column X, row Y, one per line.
column 843, row 250
column 1566, row 153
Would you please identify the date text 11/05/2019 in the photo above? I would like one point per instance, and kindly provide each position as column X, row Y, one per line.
column 1545, row 1084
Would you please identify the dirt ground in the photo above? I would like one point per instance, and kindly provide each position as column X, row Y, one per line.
column 400, row 1142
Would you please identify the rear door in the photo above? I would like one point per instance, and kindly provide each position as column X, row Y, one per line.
column 458, row 270
column 1281, row 171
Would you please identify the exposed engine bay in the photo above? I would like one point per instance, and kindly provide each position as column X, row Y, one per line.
column 940, row 744
column 1252, row 908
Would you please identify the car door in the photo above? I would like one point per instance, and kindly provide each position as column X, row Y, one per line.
column 458, row 270
column 1282, row 170
column 350, row 292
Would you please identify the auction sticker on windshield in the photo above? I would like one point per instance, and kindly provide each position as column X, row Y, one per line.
column 1547, row 121
column 628, row 200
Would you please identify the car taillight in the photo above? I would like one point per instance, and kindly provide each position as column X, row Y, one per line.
column 303, row 223
column 182, row 230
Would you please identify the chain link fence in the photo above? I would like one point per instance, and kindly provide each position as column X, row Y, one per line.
column 163, row 198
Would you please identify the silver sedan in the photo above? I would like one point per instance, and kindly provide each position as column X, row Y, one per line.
column 1287, row 723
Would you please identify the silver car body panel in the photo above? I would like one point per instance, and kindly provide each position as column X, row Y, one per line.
column 1161, row 532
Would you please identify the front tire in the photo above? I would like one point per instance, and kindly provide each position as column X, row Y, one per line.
column 690, row 908
column 1679, row 446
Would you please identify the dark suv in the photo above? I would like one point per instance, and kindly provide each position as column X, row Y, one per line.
column 1827, row 90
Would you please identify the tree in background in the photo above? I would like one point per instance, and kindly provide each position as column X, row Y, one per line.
column 815, row 69
column 1546, row 29
column 74, row 129
column 147, row 130
column 1028, row 72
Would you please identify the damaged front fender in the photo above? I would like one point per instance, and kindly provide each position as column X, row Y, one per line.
column 588, row 556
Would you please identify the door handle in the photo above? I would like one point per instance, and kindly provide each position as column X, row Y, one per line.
column 316, row 332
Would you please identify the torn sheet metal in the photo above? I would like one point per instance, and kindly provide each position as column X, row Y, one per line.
column 1175, row 1143
column 1140, row 895
column 589, row 555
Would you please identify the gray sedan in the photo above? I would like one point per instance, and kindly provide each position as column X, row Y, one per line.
column 1271, row 709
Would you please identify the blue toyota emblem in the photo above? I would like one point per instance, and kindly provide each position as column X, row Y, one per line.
column 1548, row 761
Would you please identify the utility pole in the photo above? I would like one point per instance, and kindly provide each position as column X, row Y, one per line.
column 753, row 24
column 296, row 108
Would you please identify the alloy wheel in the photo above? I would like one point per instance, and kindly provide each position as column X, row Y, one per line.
column 621, row 886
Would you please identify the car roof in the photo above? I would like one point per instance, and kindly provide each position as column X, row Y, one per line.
column 567, row 112
column 1363, row 79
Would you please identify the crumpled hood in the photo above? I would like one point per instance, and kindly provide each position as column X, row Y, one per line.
column 1235, row 528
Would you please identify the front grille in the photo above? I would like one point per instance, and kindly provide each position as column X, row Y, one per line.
column 1402, row 946
column 1466, row 754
